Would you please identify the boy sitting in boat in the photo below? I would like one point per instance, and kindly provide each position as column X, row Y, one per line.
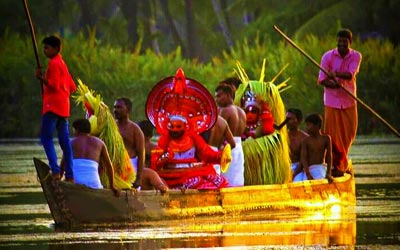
column 316, row 152
column 88, row 152
column 180, row 109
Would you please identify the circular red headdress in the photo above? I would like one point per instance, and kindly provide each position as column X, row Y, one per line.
column 178, row 95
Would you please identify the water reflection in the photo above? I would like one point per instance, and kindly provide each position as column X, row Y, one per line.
column 26, row 223
column 290, row 228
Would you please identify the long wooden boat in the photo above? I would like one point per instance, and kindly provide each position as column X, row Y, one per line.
column 74, row 205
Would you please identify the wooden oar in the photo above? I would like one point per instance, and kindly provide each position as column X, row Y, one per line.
column 28, row 17
column 346, row 90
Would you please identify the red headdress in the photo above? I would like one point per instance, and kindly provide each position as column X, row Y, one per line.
column 178, row 95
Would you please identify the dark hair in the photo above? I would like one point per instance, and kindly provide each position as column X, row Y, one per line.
column 346, row 33
column 314, row 119
column 147, row 127
column 226, row 88
column 82, row 125
column 297, row 113
column 53, row 41
column 127, row 102
column 234, row 81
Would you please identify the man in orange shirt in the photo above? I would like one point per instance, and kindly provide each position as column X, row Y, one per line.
column 57, row 87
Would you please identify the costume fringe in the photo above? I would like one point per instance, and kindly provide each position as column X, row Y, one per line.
column 104, row 126
column 267, row 158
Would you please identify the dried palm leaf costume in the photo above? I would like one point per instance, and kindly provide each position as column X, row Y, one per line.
column 185, row 161
column 266, row 158
column 103, row 125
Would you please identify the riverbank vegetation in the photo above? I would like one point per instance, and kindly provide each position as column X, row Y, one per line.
column 103, row 55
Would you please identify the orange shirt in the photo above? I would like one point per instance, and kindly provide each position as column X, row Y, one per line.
column 58, row 88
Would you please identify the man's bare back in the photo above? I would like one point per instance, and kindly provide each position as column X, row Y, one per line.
column 88, row 147
column 221, row 132
column 231, row 114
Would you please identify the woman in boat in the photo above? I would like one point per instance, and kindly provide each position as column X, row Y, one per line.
column 88, row 152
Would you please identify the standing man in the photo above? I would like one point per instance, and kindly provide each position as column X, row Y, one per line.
column 296, row 136
column 57, row 87
column 341, row 118
column 236, row 119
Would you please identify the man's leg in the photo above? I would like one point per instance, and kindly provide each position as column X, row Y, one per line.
column 65, row 143
column 49, row 121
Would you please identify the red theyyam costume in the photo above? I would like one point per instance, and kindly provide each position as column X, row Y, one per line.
column 181, row 108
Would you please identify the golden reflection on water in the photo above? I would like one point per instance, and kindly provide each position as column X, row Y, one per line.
column 334, row 227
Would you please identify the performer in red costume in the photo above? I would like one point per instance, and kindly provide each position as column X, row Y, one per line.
column 181, row 108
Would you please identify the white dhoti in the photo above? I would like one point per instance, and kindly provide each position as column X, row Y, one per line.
column 134, row 162
column 317, row 171
column 86, row 172
column 235, row 172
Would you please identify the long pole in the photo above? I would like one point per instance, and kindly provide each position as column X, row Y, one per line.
column 28, row 17
column 346, row 90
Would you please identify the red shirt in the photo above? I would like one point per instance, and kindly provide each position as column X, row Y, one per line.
column 58, row 88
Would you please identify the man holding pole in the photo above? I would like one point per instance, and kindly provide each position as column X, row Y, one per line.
column 341, row 119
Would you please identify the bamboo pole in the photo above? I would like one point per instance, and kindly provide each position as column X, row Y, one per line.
column 34, row 43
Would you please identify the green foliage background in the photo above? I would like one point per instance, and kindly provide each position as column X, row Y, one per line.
column 114, row 71
column 124, row 47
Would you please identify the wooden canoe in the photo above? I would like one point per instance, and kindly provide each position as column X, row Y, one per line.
column 74, row 205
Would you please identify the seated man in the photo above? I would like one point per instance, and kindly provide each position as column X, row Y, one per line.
column 296, row 136
column 88, row 152
column 316, row 152
column 177, row 158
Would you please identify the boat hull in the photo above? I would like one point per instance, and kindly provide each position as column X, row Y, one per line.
column 76, row 205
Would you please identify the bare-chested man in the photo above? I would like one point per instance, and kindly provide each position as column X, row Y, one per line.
column 316, row 152
column 88, row 152
column 221, row 133
column 235, row 82
column 236, row 119
column 296, row 135
column 135, row 145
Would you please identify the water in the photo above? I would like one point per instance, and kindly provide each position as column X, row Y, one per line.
column 26, row 223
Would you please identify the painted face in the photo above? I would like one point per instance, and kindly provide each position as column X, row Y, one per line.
column 252, row 114
column 176, row 128
column 343, row 45
column 120, row 110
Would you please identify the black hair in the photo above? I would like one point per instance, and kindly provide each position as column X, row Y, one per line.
column 147, row 127
column 127, row 102
column 226, row 88
column 232, row 81
column 315, row 119
column 297, row 113
column 53, row 41
column 346, row 33
column 82, row 125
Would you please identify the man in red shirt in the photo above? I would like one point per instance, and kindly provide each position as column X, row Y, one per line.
column 57, row 87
